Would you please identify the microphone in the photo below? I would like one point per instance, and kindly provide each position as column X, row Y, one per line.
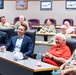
column 18, row 56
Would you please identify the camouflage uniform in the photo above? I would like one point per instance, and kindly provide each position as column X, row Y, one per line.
column 47, row 29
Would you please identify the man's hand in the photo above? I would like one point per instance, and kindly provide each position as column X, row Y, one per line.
column 2, row 48
column 48, row 55
column 67, row 71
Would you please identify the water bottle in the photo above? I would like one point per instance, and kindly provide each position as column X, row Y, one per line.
column 67, row 65
column 56, row 72
column 39, row 56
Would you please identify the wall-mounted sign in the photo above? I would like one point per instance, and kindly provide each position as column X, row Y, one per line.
column 21, row 4
column 70, row 4
column 46, row 4
column 1, row 4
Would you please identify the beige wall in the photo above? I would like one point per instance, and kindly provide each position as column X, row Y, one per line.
column 58, row 11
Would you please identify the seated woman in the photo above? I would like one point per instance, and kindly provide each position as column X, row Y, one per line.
column 63, row 31
column 70, row 29
column 48, row 27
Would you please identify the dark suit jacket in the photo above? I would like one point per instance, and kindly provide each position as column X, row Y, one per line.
column 3, row 38
column 26, row 47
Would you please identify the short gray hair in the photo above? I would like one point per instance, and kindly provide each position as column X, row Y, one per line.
column 62, row 36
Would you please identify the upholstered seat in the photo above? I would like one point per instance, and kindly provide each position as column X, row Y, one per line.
column 9, row 31
column 71, row 43
column 69, row 20
column 32, row 34
column 34, row 22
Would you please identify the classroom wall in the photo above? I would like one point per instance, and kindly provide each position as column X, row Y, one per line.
column 58, row 11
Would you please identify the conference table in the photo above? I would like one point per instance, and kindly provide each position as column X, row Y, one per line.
column 8, row 66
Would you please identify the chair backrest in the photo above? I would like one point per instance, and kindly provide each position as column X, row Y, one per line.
column 71, row 43
column 34, row 22
column 30, row 33
column 69, row 20
column 3, row 38
column 9, row 31
column 52, row 20
column 17, row 19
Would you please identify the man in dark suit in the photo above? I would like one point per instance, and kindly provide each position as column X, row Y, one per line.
column 20, row 43
column 3, row 38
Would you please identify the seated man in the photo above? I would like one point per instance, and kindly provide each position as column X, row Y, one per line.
column 57, row 54
column 20, row 43
column 63, row 31
column 4, row 23
column 21, row 21
column 69, row 68
column 3, row 38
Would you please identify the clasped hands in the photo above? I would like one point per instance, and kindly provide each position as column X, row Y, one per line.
column 48, row 55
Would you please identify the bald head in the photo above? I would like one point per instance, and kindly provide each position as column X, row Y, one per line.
column 21, row 18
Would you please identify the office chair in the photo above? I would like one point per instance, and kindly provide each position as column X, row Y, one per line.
column 33, row 22
column 9, row 31
column 52, row 20
column 32, row 34
column 69, row 20
column 71, row 43
column 17, row 19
